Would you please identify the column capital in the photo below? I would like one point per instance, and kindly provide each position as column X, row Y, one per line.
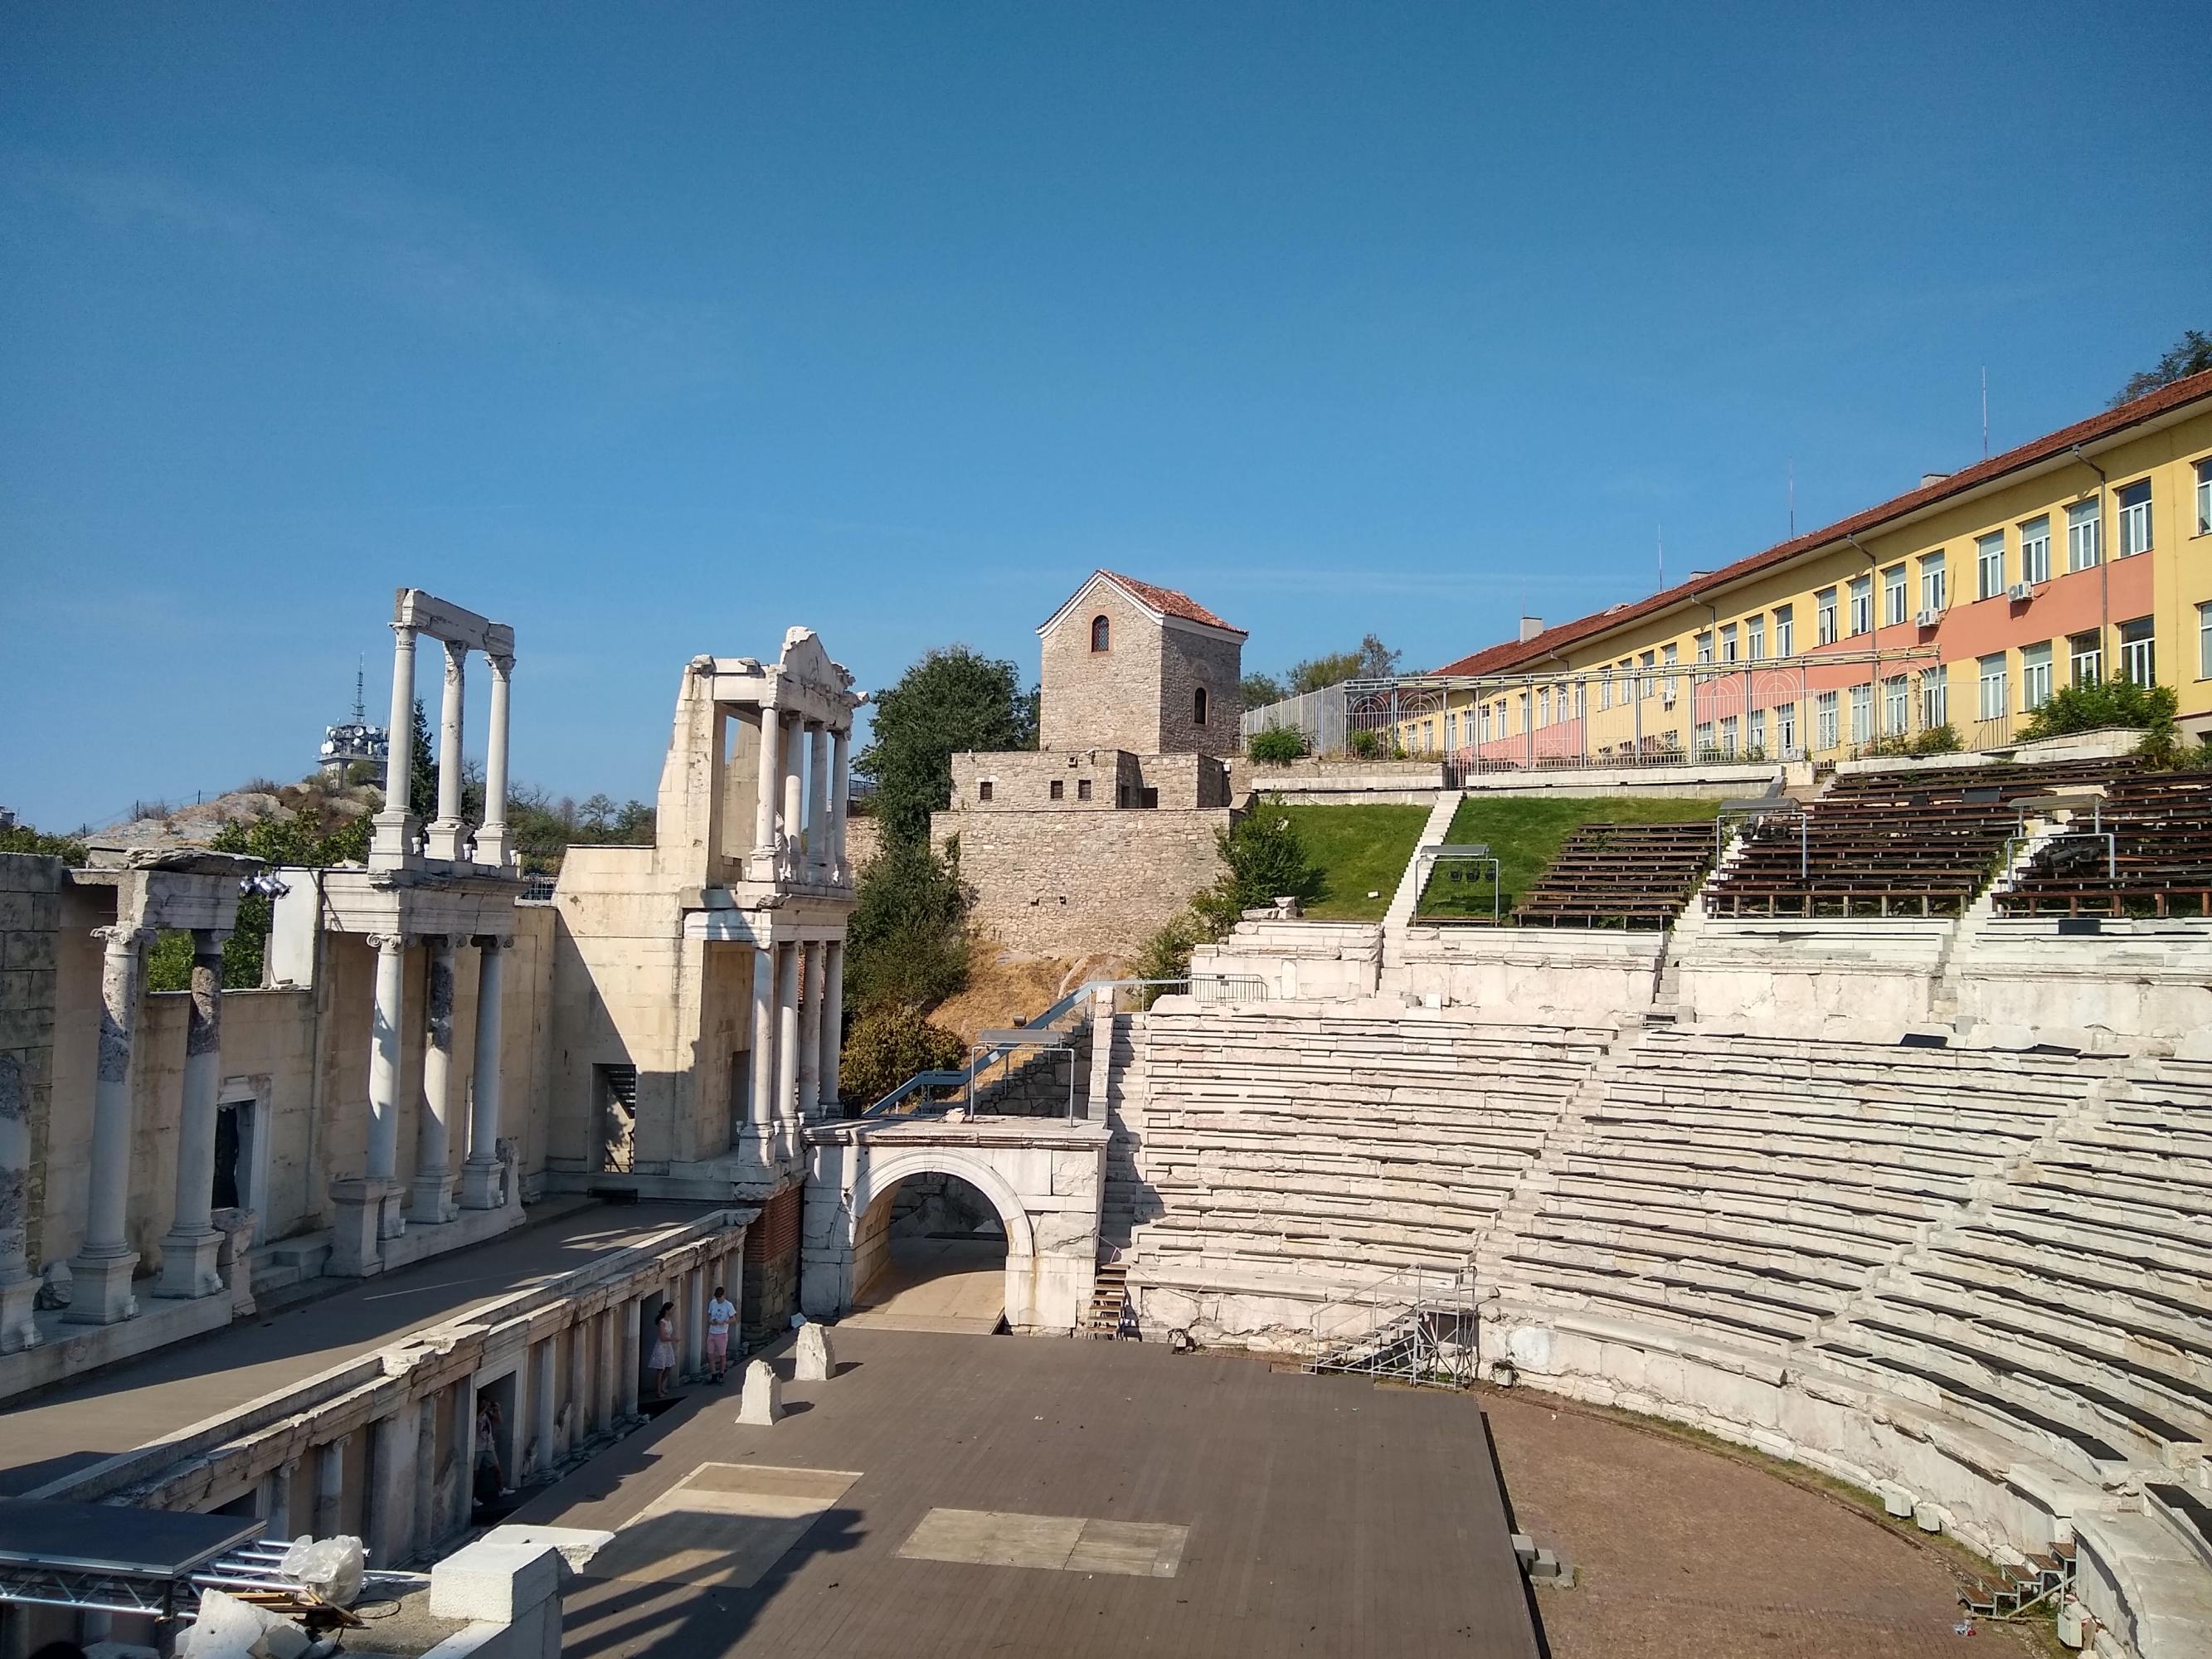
column 381, row 943
column 502, row 664
column 406, row 632
column 493, row 941
column 457, row 653
column 118, row 936
column 208, row 941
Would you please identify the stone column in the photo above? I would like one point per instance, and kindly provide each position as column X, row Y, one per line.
column 810, row 1029
column 369, row 1209
column 833, row 1023
column 434, row 1132
column 768, row 792
column 330, row 1486
column 189, row 1251
column 633, row 1330
column 818, row 861
column 491, row 834
column 394, row 828
column 279, row 1512
column 695, row 1320
column 19, row 1286
column 840, row 795
column 794, row 804
column 579, row 1338
column 786, row 1037
column 393, row 1441
column 103, row 1265
column 481, row 1187
column 760, row 1125
column 446, row 830
column 542, row 1391
column 612, row 1366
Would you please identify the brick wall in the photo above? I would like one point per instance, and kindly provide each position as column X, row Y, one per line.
column 1065, row 883
column 770, row 1291
column 30, row 919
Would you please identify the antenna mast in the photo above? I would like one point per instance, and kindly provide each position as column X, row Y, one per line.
column 360, row 708
column 1985, row 411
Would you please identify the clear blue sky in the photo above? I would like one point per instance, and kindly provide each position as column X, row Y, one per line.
column 655, row 329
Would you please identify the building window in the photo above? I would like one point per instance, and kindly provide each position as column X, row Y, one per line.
column 1544, row 705
column 1197, row 707
column 1728, row 734
column 1703, row 737
column 1083, row 789
column 1672, row 656
column 1785, row 630
column 1989, row 566
column 2138, row 663
column 2204, row 642
column 1826, row 735
column 1582, row 700
column 1996, row 701
column 1647, row 685
column 1485, row 722
column 2087, row 654
column 1935, row 591
column 1754, row 636
column 1100, row 633
column 1705, row 646
column 1728, row 641
column 1861, row 714
column 1604, row 694
column 2035, row 674
column 1896, row 707
column 2204, row 497
column 2135, row 518
column 1893, row 596
column 1861, row 604
column 2085, row 535
column 1756, row 729
column 1058, row 789
column 1148, row 798
column 1785, row 727
column 2035, row 550
column 983, row 790
column 1934, row 699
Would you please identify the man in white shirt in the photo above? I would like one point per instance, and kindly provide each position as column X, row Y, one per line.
column 720, row 1312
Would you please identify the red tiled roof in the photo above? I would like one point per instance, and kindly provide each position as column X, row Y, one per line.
column 1498, row 657
column 1168, row 602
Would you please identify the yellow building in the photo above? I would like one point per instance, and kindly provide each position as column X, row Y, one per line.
column 1964, row 604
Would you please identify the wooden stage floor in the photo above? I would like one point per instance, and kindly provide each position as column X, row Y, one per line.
column 969, row 1495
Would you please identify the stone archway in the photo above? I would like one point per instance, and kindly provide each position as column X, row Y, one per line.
column 1045, row 1179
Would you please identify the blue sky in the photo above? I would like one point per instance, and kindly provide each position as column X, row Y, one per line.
column 655, row 330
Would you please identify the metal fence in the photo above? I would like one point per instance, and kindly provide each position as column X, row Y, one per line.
column 1324, row 716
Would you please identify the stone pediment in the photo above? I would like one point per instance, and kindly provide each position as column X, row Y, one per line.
column 806, row 661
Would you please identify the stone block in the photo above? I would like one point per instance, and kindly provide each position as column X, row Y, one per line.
column 761, row 1403
column 496, row 1579
column 813, row 1361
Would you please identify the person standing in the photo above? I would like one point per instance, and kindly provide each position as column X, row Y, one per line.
column 662, row 1360
column 721, row 1313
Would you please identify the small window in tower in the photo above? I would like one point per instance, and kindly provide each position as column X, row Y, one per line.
column 983, row 790
column 1101, row 632
column 1197, row 707
column 1058, row 789
column 1083, row 789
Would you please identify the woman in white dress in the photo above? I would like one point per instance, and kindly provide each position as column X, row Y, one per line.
column 662, row 1360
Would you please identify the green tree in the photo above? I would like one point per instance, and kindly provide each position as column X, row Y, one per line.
column 1277, row 744
column 295, row 839
column 1370, row 660
column 21, row 838
column 2147, row 708
column 2191, row 355
column 1261, row 689
column 421, row 769
column 1266, row 861
column 951, row 702
column 907, row 944
column 889, row 1044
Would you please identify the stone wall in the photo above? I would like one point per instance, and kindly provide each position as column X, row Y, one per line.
column 1109, row 698
column 1190, row 659
column 30, row 920
column 1062, row 884
column 864, row 839
column 1089, row 780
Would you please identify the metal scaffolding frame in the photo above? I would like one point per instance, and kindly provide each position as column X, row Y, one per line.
column 1418, row 1326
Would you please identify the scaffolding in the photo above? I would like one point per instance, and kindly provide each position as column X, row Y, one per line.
column 1418, row 1326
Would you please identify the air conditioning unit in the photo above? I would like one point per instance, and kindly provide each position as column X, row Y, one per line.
column 2020, row 592
column 1926, row 618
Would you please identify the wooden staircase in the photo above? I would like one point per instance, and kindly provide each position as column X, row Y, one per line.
column 1109, row 1302
column 2022, row 1587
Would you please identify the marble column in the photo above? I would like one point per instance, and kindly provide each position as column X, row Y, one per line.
column 330, row 1486
column 482, row 1187
column 103, row 1266
column 390, row 1521
column 579, row 1338
column 433, row 1130
column 818, row 865
column 543, row 1404
column 278, row 1513
column 759, row 1128
column 695, row 1320
column 787, row 1037
column 394, row 832
column 833, row 1023
column 19, row 1286
column 768, row 793
column 190, row 1249
column 447, row 829
column 794, row 802
column 492, row 835
column 633, row 1332
column 810, row 1029
column 840, row 795
column 380, row 1190
column 612, row 1364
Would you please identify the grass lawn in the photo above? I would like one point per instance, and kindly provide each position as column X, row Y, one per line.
column 1524, row 834
column 1359, row 850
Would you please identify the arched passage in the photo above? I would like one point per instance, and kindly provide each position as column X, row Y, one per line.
column 1041, row 1180
column 930, row 1253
